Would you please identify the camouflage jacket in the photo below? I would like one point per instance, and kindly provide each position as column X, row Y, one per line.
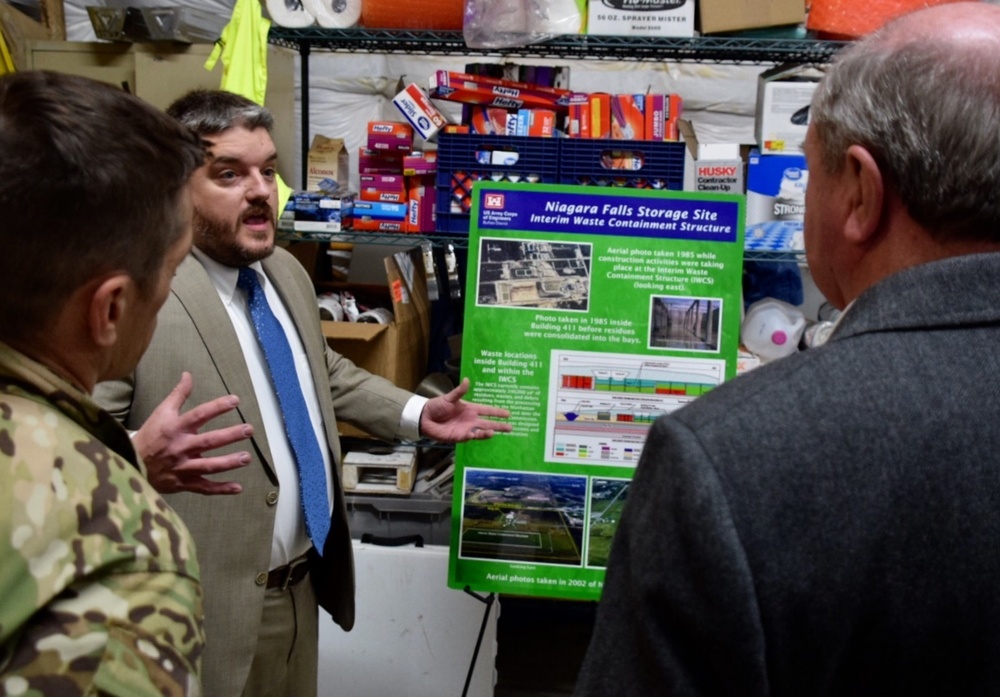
column 99, row 583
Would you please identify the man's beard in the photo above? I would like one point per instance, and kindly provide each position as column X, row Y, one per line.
column 220, row 239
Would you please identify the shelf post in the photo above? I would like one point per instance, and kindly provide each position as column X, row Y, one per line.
column 304, row 104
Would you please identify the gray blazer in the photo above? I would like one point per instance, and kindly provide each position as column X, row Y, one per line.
column 233, row 533
column 828, row 524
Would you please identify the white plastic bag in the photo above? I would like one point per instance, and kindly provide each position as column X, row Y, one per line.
column 509, row 23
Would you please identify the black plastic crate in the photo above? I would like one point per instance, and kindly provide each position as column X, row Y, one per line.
column 636, row 164
column 464, row 159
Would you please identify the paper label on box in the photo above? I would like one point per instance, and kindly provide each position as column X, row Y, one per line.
column 718, row 176
column 641, row 17
column 399, row 294
column 419, row 112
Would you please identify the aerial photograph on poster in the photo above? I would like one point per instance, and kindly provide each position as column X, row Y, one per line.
column 523, row 516
column 534, row 274
column 607, row 499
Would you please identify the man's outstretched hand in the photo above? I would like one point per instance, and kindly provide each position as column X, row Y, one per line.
column 171, row 446
column 450, row 419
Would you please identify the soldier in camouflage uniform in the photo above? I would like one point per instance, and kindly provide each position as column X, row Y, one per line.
column 99, row 583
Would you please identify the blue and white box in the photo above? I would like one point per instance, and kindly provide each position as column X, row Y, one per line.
column 317, row 211
column 776, row 190
column 379, row 210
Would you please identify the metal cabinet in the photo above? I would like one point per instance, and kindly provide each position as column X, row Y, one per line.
column 160, row 72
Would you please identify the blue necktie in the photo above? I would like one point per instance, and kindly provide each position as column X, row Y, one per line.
column 308, row 456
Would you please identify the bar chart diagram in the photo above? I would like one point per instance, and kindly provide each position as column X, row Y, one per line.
column 602, row 404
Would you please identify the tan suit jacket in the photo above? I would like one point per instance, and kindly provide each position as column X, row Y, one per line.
column 233, row 533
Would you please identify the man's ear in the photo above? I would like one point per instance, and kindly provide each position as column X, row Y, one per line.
column 108, row 303
column 866, row 196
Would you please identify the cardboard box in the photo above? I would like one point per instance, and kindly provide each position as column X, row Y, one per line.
column 374, row 194
column 783, row 96
column 378, row 225
column 628, row 118
column 422, row 197
column 378, row 210
column 578, row 121
column 495, row 92
column 776, row 189
column 379, row 161
column 487, row 120
column 655, row 115
column 380, row 471
column 600, row 115
column 397, row 351
column 420, row 163
column 641, row 18
column 536, row 123
column 327, row 160
column 393, row 136
column 387, row 188
column 711, row 167
column 314, row 211
column 662, row 114
column 738, row 15
column 425, row 118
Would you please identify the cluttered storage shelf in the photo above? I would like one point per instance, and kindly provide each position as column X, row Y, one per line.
column 707, row 49
column 714, row 49
column 462, row 241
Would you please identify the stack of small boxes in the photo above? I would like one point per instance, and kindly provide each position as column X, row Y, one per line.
column 498, row 106
column 776, row 170
column 396, row 182
column 624, row 116
column 326, row 206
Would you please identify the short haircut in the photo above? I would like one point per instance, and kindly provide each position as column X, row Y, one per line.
column 90, row 183
column 927, row 108
column 209, row 112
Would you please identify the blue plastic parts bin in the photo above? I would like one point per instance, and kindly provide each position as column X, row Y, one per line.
column 464, row 159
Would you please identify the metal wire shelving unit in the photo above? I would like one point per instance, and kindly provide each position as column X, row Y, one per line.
column 705, row 49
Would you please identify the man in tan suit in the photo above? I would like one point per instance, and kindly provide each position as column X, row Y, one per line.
column 261, row 620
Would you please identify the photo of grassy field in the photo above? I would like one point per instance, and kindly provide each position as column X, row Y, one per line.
column 523, row 516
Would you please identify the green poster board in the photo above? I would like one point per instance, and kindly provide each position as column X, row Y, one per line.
column 589, row 313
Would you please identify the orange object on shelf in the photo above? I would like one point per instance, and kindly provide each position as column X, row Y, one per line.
column 442, row 15
column 853, row 18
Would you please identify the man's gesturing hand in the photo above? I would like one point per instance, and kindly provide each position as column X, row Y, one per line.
column 450, row 419
column 171, row 446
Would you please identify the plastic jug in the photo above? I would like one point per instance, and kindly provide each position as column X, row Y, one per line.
column 772, row 329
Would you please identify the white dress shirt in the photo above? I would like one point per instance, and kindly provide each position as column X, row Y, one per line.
column 290, row 539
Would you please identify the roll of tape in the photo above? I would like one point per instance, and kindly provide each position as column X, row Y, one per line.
column 335, row 14
column 330, row 309
column 289, row 13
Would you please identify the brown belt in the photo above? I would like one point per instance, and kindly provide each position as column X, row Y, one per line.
column 288, row 575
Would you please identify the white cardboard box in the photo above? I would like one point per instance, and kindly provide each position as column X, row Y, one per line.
column 711, row 167
column 640, row 17
column 783, row 97
column 380, row 471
